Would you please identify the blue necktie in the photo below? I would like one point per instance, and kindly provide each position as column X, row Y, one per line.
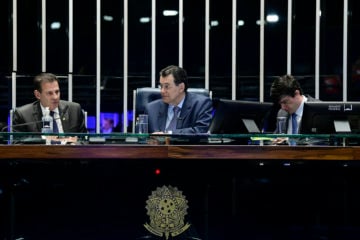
column 55, row 126
column 172, row 124
column 294, row 123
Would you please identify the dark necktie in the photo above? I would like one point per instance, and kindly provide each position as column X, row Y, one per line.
column 55, row 126
column 294, row 123
column 172, row 124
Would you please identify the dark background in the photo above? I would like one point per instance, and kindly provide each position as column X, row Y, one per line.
column 232, row 200
column 139, row 51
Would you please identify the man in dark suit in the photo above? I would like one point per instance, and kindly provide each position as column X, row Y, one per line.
column 178, row 112
column 68, row 115
column 287, row 92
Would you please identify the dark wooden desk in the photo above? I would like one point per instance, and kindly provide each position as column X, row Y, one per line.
column 234, row 192
column 178, row 152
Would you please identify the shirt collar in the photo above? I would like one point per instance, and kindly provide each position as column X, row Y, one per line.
column 299, row 111
column 179, row 105
column 56, row 110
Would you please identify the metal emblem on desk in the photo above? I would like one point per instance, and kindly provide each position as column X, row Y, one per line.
column 166, row 208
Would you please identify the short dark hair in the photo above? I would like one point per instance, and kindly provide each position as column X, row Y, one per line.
column 179, row 74
column 43, row 77
column 285, row 85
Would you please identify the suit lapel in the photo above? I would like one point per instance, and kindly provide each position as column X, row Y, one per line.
column 37, row 115
column 185, row 111
column 162, row 115
column 64, row 116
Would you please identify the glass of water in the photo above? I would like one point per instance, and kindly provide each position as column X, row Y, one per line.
column 143, row 123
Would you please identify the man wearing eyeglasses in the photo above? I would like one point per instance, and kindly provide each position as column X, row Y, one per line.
column 178, row 111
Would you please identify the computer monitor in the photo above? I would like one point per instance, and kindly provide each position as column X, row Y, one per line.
column 229, row 115
column 330, row 117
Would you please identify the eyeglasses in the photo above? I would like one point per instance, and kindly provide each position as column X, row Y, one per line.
column 165, row 86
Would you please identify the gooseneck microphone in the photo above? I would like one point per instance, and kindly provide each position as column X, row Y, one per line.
column 19, row 125
column 281, row 121
column 22, row 124
column 283, row 113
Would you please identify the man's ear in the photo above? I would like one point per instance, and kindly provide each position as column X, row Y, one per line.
column 182, row 86
column 37, row 94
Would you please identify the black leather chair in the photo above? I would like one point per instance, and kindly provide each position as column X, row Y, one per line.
column 144, row 95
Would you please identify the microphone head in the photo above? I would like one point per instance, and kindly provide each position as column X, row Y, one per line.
column 282, row 113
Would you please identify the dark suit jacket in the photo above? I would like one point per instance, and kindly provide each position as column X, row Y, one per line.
column 195, row 115
column 284, row 113
column 71, row 115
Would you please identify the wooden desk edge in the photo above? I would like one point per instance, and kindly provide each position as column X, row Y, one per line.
column 178, row 152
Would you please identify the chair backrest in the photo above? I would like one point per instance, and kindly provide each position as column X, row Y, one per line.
column 85, row 118
column 144, row 95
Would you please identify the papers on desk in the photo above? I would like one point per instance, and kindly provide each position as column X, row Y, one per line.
column 219, row 140
column 261, row 138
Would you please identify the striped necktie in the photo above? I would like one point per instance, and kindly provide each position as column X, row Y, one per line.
column 172, row 124
column 55, row 126
column 294, row 123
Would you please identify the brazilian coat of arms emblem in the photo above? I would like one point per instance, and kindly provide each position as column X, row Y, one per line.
column 166, row 208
